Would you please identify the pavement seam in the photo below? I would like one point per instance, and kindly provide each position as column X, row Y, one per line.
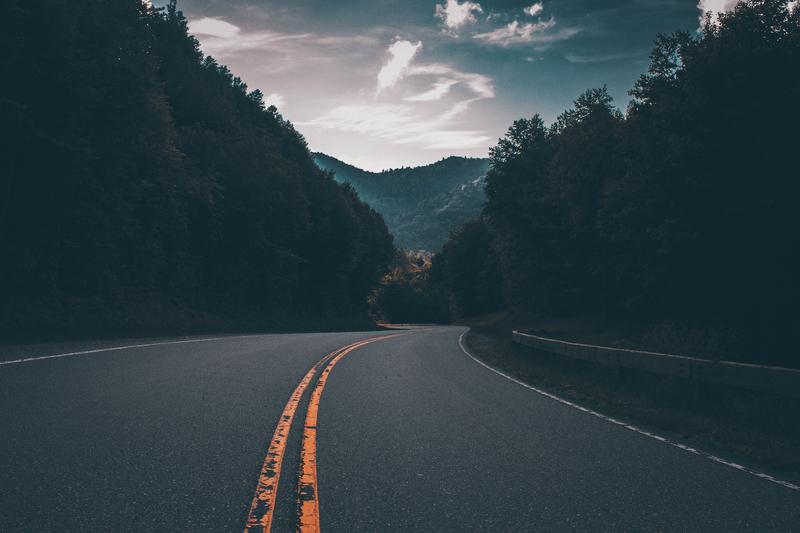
column 629, row 427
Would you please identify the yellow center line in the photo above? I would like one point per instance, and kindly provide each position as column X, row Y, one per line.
column 307, row 491
column 263, row 504
column 262, row 508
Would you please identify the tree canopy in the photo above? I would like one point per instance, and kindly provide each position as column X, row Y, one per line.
column 143, row 181
column 685, row 208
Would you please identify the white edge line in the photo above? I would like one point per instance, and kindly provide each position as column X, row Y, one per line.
column 629, row 427
column 115, row 348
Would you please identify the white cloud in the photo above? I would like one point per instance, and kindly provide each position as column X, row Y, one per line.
column 402, row 54
column 214, row 27
column 717, row 7
column 436, row 92
column 220, row 38
column 714, row 7
column 428, row 119
column 345, row 40
column 478, row 83
column 516, row 33
column 275, row 99
column 382, row 119
column 456, row 109
column 600, row 58
column 481, row 86
column 448, row 139
column 454, row 15
column 398, row 124
column 244, row 42
column 277, row 51
column 534, row 10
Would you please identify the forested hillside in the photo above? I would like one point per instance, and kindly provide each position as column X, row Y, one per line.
column 421, row 205
column 144, row 187
column 681, row 213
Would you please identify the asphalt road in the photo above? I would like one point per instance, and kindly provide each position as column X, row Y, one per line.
column 411, row 435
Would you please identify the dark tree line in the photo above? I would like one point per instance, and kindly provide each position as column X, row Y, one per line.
column 142, row 182
column 685, row 209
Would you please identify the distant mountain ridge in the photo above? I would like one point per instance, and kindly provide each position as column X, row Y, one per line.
column 421, row 205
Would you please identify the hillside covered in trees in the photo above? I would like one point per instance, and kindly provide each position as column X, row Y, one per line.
column 421, row 205
column 681, row 213
column 144, row 187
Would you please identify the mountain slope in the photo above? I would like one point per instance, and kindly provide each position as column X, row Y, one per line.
column 421, row 205
column 160, row 194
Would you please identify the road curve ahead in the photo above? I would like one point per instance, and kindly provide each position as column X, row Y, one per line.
column 368, row 431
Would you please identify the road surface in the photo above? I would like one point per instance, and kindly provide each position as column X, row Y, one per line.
column 408, row 433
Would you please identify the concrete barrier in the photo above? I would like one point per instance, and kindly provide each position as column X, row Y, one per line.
column 785, row 381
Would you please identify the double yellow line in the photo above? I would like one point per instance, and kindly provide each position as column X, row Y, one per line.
column 262, row 507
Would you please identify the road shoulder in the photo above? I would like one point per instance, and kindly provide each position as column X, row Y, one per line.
column 749, row 428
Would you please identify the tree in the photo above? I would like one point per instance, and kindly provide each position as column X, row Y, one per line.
column 156, row 190
column 467, row 271
column 684, row 210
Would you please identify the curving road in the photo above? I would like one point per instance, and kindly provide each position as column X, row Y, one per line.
column 403, row 433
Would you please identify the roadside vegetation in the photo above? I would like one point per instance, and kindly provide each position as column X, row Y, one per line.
column 145, row 189
column 405, row 295
column 677, row 217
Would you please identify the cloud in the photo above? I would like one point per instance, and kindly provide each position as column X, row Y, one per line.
column 398, row 124
column 436, row 92
column 478, row 83
column 534, row 10
column 575, row 58
column 245, row 42
column 717, row 7
column 275, row 99
column 277, row 51
column 457, row 108
column 714, row 7
column 215, row 27
column 344, row 40
column 402, row 54
column 516, row 33
column 455, row 15
column 481, row 86
column 428, row 119
column 448, row 139
column 221, row 38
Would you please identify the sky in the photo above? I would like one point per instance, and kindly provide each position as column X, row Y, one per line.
column 390, row 83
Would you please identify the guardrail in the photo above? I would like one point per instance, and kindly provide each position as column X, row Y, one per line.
column 774, row 379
